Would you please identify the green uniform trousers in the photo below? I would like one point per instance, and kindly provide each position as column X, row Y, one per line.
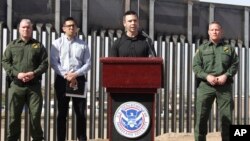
column 206, row 95
column 19, row 96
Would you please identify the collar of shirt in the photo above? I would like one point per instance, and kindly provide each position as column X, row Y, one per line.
column 220, row 43
column 69, row 40
column 138, row 36
column 19, row 40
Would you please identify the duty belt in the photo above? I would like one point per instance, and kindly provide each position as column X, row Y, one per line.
column 29, row 83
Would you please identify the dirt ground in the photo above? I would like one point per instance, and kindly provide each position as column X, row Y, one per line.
column 186, row 137
column 180, row 137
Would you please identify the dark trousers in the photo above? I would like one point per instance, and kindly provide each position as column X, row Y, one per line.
column 79, row 105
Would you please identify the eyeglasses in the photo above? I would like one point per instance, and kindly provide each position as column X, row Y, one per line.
column 70, row 25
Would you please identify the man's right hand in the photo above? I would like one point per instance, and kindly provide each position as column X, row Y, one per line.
column 73, row 83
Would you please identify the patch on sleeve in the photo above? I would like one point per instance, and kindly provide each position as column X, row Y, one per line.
column 35, row 45
column 226, row 49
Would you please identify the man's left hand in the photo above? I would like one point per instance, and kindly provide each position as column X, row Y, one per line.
column 221, row 80
column 28, row 76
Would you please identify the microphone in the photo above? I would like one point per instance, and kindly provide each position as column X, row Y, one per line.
column 151, row 47
column 145, row 34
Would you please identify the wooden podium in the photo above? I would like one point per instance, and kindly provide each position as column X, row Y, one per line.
column 131, row 83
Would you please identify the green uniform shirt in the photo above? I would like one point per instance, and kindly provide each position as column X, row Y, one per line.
column 21, row 56
column 215, row 60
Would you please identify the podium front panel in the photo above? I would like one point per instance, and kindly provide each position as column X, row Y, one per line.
column 147, row 100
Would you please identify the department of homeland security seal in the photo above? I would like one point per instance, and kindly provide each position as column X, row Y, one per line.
column 131, row 119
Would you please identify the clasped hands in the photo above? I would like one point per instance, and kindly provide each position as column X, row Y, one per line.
column 216, row 80
column 26, row 76
column 71, row 77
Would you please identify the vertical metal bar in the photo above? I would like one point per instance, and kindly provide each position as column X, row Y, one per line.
column 39, row 31
column 246, row 27
column 57, row 16
column 55, row 118
column 239, row 97
column 67, row 127
column 211, row 119
column 138, row 8
column 101, row 90
column 7, row 120
column 246, row 42
column 111, row 40
column 166, row 84
column 151, row 18
column 73, row 124
column 47, row 85
column 127, row 5
column 70, row 8
column 1, row 72
column 158, row 96
column 9, row 19
column 26, row 124
column 189, row 71
column 85, row 19
column 190, row 92
column 190, row 22
column 110, row 44
column 217, row 121
column 55, row 111
column 246, row 94
column 9, row 38
column 233, row 44
column 174, row 85
column 7, row 80
column 182, row 82
column 54, row 131
column 119, row 33
column 92, row 84
column 211, row 12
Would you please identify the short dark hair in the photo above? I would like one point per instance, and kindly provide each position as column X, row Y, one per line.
column 216, row 22
column 130, row 12
column 69, row 19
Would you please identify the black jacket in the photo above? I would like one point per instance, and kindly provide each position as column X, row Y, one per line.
column 139, row 46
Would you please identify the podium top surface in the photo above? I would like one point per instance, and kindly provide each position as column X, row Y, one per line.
column 132, row 60
column 132, row 72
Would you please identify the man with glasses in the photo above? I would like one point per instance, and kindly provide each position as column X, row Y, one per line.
column 70, row 59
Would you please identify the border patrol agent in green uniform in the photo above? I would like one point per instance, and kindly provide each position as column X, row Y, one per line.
column 215, row 63
column 25, row 60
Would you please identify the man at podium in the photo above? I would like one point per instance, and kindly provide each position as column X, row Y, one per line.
column 133, row 43
column 130, row 84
